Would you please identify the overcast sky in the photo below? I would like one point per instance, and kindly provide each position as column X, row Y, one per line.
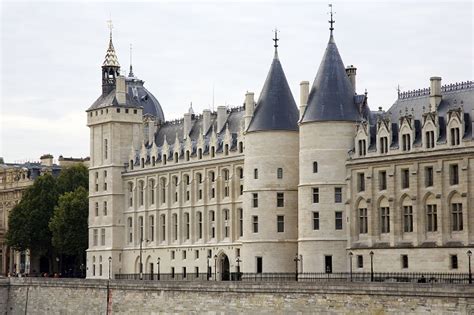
column 51, row 53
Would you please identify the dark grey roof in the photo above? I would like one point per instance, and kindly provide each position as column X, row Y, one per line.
column 332, row 94
column 276, row 108
column 137, row 96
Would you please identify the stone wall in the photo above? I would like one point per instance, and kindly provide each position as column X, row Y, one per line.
column 74, row 296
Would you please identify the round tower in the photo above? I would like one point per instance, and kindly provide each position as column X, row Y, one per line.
column 271, row 178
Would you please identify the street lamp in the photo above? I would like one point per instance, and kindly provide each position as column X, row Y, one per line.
column 108, row 288
column 296, row 260
column 215, row 267
column 57, row 261
column 238, row 267
column 469, row 254
column 371, row 266
column 350, row 263
column 158, row 263
column 110, row 262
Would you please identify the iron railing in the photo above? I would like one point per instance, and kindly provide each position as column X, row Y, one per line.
column 408, row 277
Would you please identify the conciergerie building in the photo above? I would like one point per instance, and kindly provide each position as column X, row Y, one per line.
column 327, row 186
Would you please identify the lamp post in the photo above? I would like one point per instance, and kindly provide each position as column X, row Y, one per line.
column 469, row 254
column 238, row 267
column 108, row 288
column 158, row 263
column 371, row 266
column 215, row 267
column 296, row 260
column 350, row 263
column 110, row 262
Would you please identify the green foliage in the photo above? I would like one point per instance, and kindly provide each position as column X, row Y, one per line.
column 17, row 231
column 73, row 177
column 69, row 222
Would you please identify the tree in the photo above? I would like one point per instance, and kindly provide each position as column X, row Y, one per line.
column 73, row 177
column 69, row 223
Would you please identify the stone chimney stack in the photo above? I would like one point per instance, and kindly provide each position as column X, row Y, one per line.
column 435, row 93
column 221, row 117
column 351, row 73
column 120, row 90
column 46, row 160
column 206, row 120
column 151, row 130
column 249, row 108
column 186, row 125
column 304, row 92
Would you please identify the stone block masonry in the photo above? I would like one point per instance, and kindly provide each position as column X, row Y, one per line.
column 75, row 296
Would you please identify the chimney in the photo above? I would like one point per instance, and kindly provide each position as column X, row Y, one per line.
column 304, row 92
column 206, row 121
column 186, row 125
column 120, row 90
column 249, row 107
column 351, row 73
column 151, row 130
column 221, row 117
column 46, row 160
column 435, row 93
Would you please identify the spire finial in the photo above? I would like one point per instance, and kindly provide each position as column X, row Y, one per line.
column 131, row 68
column 331, row 22
column 276, row 39
column 111, row 26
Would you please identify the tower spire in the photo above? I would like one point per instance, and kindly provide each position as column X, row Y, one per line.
column 275, row 39
column 130, row 74
column 111, row 26
column 331, row 21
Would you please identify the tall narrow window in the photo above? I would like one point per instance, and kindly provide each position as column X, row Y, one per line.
column 428, row 176
column 225, row 223
column 105, row 208
column 141, row 192
column 453, row 174
column 241, row 223
column 363, row 226
column 140, row 226
column 315, row 167
column 255, row 200
column 199, row 227
column 383, row 145
column 279, row 173
column 213, row 151
column 175, row 226
column 407, row 219
column 130, row 230
column 259, row 264
column 406, row 142
column 405, row 178
column 102, row 237
column 456, row 213
column 106, row 149
column 96, row 209
column 96, row 236
column 255, row 223
column 362, row 148
column 280, row 199
column 315, row 220
column 280, row 223
column 431, row 218
column 152, row 191
column 382, row 180
column 241, row 147
column 163, row 190
column 404, row 261
column 199, row 153
column 255, row 173
column 105, row 180
column 385, row 219
column 151, row 220
column 96, row 181
column 360, row 182
column 130, row 194
column 315, row 195
column 187, row 227
column 455, row 138
column 430, row 143
column 338, row 220
column 163, row 227
column 337, row 194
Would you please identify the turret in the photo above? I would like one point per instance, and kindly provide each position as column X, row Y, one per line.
column 110, row 67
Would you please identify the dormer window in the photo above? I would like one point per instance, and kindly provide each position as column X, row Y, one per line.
column 362, row 148
column 383, row 145
column 406, row 142
column 455, row 136
column 429, row 137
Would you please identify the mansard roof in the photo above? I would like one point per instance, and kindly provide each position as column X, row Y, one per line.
column 276, row 108
column 332, row 95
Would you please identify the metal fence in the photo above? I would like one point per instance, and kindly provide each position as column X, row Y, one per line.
column 408, row 277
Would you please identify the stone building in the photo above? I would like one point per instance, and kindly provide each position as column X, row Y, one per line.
column 265, row 187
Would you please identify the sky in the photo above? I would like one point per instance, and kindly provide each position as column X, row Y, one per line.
column 208, row 53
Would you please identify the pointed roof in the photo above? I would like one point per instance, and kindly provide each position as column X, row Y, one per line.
column 111, row 59
column 276, row 108
column 332, row 94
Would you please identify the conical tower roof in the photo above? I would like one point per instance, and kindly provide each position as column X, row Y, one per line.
column 111, row 59
column 276, row 108
column 332, row 94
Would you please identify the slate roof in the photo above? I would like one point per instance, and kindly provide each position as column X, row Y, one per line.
column 276, row 108
column 332, row 94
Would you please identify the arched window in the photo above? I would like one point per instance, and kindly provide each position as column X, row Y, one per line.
column 431, row 209
column 187, row 155
column 175, row 188
column 199, row 153
column 163, row 190
column 93, row 265
column 186, row 226
column 130, row 194
column 130, row 230
column 143, row 162
column 176, row 157
column 152, row 191
column 362, row 217
column 100, row 265
column 407, row 212
column 199, row 224
column 384, row 211
column 241, row 147
column 153, row 160
column 141, row 192
column 225, row 222
column 226, row 149
column 140, row 227
column 163, row 227
column 213, row 151
column 225, row 175
column 131, row 164
column 164, row 159
column 151, row 220
column 315, row 167
column 212, row 227
column 175, row 226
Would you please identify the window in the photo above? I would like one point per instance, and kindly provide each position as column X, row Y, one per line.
column 212, row 175
column 140, row 225
column 141, row 192
column 100, row 265
column 383, row 145
column 131, row 164
column 176, row 157
column 187, row 227
column 241, row 147
column 163, row 190
column 255, row 173
column 428, row 176
column 280, row 199
column 280, row 223
column 163, row 227
column 453, row 174
column 96, row 209
column 184, row 271
column 455, row 139
column 102, row 237
column 360, row 182
column 226, row 149
column 105, row 208
column 152, row 192
column 130, row 230
column 456, row 213
column 143, row 162
column 406, row 142
column 454, row 261
column 315, row 195
column 187, row 155
column 337, row 194
column 431, row 218
column 360, row 261
column 363, row 226
column 315, row 220
column 164, row 159
column 96, row 236
column 172, row 271
column 404, row 261
column 152, row 228
column 106, row 149
column 199, row 227
column 175, row 226
column 96, row 181
column 196, row 254
column 241, row 223
column 279, row 173
column 255, row 200
column 405, row 178
column 259, row 264
column 315, row 167
column 105, row 180
column 199, row 154
column 382, row 180
column 385, row 219
column 130, row 194
column 338, row 220
column 173, row 255
column 255, row 223
column 430, row 139
column 213, row 151
column 153, row 160
column 184, row 254
column 362, row 148
column 407, row 219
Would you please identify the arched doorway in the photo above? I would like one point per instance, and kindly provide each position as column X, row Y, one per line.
column 225, row 268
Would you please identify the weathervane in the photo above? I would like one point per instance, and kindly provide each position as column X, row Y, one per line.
column 331, row 22
column 275, row 39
